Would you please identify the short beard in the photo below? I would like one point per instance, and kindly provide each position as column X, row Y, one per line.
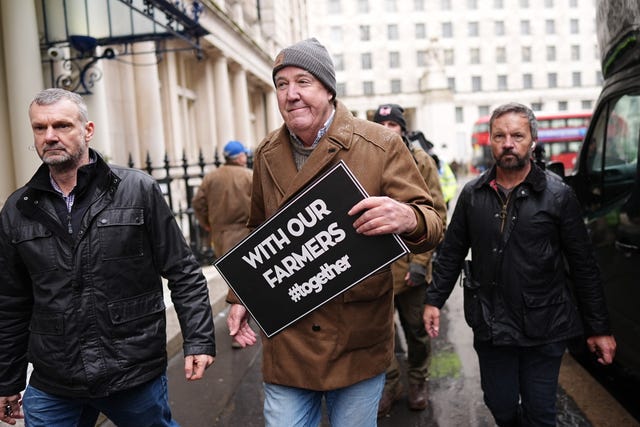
column 509, row 164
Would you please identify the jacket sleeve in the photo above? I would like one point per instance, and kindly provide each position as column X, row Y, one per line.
column 402, row 181
column 451, row 255
column 16, row 304
column 186, row 282
column 583, row 267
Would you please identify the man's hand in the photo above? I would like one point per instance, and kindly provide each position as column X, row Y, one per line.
column 431, row 319
column 196, row 364
column 383, row 215
column 238, row 323
column 10, row 409
column 604, row 347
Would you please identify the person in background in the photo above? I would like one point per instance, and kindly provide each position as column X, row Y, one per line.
column 83, row 249
column 221, row 204
column 339, row 351
column 411, row 275
column 529, row 249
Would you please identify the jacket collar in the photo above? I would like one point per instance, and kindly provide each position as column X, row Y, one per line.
column 535, row 179
column 278, row 157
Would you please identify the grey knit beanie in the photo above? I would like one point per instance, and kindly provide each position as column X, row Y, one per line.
column 309, row 55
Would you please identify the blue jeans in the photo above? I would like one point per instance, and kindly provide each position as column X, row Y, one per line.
column 520, row 383
column 352, row 406
column 144, row 405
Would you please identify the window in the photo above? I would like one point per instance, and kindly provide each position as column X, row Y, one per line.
column 449, row 58
column 338, row 62
column 536, row 106
column 574, row 26
column 363, row 6
column 421, row 58
column 473, row 29
column 524, row 4
column 526, row 53
column 365, row 61
column 447, row 30
column 612, row 161
column 498, row 4
column 502, row 82
column 367, row 88
column 525, row 27
column 341, row 89
column 418, row 5
column 476, row 83
column 472, row 4
column 552, row 80
column 563, row 105
column 527, row 81
column 451, row 83
column 575, row 52
column 483, row 110
column 459, row 115
column 474, row 55
column 335, row 34
column 573, row 3
column 394, row 59
column 364, row 33
column 390, row 6
column 599, row 79
column 550, row 26
column 498, row 28
column 551, row 53
column 576, row 79
column 396, row 86
column 421, row 31
column 392, row 32
column 548, row 4
column 334, row 7
column 445, row 4
column 501, row 55
column 586, row 104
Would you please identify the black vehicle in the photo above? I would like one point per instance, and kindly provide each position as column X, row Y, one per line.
column 607, row 179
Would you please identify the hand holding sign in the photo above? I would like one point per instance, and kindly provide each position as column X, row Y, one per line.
column 309, row 252
column 383, row 215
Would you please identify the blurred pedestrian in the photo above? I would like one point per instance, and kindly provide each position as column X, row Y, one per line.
column 524, row 228
column 83, row 246
column 339, row 351
column 411, row 275
column 221, row 204
column 222, row 201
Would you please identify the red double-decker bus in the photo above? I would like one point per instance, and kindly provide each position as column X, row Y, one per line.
column 560, row 134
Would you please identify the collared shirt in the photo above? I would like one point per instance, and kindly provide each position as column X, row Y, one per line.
column 321, row 132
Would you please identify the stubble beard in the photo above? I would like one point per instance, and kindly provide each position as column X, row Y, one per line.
column 514, row 162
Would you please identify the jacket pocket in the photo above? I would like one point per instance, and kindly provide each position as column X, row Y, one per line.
column 129, row 309
column 544, row 315
column 371, row 288
column 139, row 329
column 121, row 233
column 36, row 246
column 473, row 311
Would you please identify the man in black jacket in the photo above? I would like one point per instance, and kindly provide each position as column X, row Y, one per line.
column 83, row 249
column 523, row 225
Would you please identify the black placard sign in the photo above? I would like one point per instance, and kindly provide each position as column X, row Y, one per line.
column 306, row 253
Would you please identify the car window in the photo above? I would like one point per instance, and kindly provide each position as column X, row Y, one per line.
column 612, row 155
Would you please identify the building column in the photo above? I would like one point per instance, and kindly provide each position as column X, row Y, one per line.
column 149, row 110
column 24, row 78
column 224, row 105
column 206, row 111
column 242, row 113
column 274, row 118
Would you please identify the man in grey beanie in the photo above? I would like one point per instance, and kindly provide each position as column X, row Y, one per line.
column 340, row 350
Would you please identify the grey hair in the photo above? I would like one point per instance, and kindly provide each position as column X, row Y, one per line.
column 53, row 95
column 523, row 110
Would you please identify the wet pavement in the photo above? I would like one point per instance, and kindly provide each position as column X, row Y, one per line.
column 231, row 393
